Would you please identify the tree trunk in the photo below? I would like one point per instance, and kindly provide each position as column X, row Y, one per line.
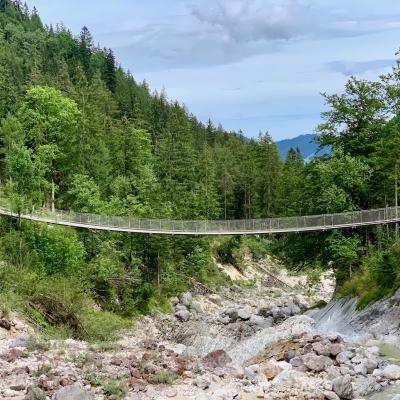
column 53, row 195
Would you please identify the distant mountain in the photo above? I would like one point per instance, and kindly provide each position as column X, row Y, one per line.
column 306, row 144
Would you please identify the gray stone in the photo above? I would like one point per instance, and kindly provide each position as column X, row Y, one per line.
column 333, row 373
column 342, row 387
column 296, row 362
column 34, row 393
column 197, row 307
column 295, row 309
column 186, row 299
column 366, row 387
column 232, row 314
column 314, row 362
column 244, row 314
column 370, row 364
column 202, row 383
column 216, row 299
column 249, row 374
column 19, row 384
column 224, row 319
column 72, row 393
column 344, row 357
column 331, row 395
column 257, row 320
column 21, row 340
column 180, row 307
column 174, row 301
column 321, row 349
column 183, row 315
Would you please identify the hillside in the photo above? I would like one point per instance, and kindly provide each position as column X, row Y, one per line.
column 78, row 132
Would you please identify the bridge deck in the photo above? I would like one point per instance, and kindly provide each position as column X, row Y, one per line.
column 308, row 223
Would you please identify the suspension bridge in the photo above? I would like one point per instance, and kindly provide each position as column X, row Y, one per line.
column 308, row 223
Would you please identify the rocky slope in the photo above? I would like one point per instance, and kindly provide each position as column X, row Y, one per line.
column 242, row 343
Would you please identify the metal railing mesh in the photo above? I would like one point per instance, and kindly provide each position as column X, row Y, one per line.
column 206, row 227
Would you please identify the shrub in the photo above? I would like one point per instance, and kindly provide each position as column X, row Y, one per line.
column 164, row 378
column 102, row 325
column 115, row 389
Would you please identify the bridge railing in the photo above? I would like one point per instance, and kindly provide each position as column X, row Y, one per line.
column 267, row 225
column 310, row 222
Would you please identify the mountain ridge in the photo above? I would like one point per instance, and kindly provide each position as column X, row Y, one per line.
column 306, row 143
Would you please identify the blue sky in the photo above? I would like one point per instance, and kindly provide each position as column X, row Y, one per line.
column 249, row 64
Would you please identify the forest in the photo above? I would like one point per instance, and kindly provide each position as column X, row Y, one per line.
column 78, row 132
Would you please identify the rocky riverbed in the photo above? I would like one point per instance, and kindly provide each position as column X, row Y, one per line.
column 242, row 343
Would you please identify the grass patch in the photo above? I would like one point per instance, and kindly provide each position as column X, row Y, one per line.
column 115, row 389
column 164, row 378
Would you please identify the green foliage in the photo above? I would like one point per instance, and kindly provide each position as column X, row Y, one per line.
column 379, row 276
column 164, row 378
column 115, row 389
column 54, row 249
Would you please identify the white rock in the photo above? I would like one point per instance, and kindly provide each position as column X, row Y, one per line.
column 287, row 379
column 225, row 394
column 391, row 372
column 244, row 314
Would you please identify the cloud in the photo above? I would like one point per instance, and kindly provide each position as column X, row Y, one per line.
column 254, row 20
column 348, row 68
column 217, row 32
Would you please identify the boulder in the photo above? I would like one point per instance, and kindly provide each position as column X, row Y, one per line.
column 202, row 383
column 197, row 307
column 271, row 369
column 72, row 393
column 19, row 384
column 331, row 395
column 232, row 314
column 183, row 315
column 321, row 349
column 391, row 372
column 287, row 379
column 342, row 387
column 333, row 373
column 225, row 394
column 344, row 357
column 335, row 349
column 366, row 387
column 257, row 320
column 34, row 393
column 218, row 358
column 244, row 314
column 274, row 350
column 314, row 362
column 296, row 362
column 174, row 301
column 186, row 299
column 216, row 299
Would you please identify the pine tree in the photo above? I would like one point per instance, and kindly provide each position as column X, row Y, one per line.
column 110, row 71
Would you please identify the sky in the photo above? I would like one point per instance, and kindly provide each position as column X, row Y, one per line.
column 254, row 65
